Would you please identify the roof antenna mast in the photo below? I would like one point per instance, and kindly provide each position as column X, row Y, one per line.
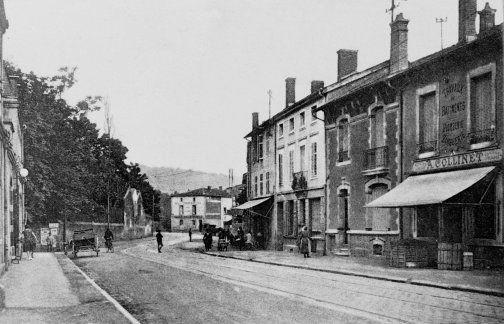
column 270, row 94
column 440, row 21
column 392, row 8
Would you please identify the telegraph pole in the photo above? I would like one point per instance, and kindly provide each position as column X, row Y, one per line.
column 441, row 21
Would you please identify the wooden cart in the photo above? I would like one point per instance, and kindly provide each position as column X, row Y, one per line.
column 84, row 240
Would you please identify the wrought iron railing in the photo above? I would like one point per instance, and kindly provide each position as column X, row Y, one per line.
column 481, row 136
column 426, row 147
column 299, row 181
column 376, row 158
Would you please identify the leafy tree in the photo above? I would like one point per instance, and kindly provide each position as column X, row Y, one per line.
column 74, row 170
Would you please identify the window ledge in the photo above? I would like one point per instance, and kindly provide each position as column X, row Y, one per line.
column 361, row 232
column 302, row 128
column 343, row 163
column 426, row 155
column 481, row 145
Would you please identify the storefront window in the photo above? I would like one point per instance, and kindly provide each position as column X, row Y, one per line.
column 427, row 221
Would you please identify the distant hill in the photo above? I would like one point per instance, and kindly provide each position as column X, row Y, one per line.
column 168, row 180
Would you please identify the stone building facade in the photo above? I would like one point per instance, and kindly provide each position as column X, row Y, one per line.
column 12, row 173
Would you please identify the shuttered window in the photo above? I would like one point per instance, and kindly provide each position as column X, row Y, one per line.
column 481, row 103
column 427, row 123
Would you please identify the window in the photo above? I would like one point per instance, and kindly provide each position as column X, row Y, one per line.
column 225, row 210
column 267, row 183
column 181, row 199
column 427, row 221
column 280, row 170
column 379, row 217
column 194, row 222
column 194, row 199
column 291, row 124
column 255, row 187
column 313, row 114
column 301, row 119
column 427, row 126
column 194, row 210
column 260, row 143
column 378, row 128
column 481, row 109
column 181, row 222
column 302, row 158
column 291, row 165
column 343, row 140
column 280, row 130
column 267, row 146
column 261, row 192
column 314, row 159
column 181, row 210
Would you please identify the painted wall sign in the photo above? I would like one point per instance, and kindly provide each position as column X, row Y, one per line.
column 458, row 160
column 452, row 116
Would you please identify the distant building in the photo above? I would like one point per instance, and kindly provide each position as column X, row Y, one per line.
column 199, row 208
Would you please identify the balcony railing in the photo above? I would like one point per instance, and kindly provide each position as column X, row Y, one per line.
column 481, row 136
column 343, row 156
column 376, row 158
column 426, row 147
column 299, row 180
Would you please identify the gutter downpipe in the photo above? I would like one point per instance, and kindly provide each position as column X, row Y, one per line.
column 401, row 171
column 326, row 221
column 275, row 211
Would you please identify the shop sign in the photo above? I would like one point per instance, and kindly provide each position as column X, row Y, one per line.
column 53, row 225
column 458, row 160
column 452, row 116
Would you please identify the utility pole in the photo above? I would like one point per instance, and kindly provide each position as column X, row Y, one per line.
column 108, row 129
column 392, row 8
column 441, row 21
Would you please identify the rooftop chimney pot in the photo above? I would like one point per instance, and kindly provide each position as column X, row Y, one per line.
column 316, row 86
column 487, row 18
column 399, row 44
column 290, row 91
column 255, row 120
column 467, row 20
column 347, row 62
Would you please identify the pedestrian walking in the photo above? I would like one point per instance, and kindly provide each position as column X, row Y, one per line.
column 207, row 240
column 159, row 238
column 49, row 243
column 190, row 234
column 304, row 242
column 30, row 241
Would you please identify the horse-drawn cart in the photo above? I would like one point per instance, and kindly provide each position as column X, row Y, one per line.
column 84, row 240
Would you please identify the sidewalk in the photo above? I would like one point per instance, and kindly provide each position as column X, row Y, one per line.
column 490, row 282
column 51, row 289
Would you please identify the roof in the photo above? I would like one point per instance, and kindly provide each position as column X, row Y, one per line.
column 204, row 192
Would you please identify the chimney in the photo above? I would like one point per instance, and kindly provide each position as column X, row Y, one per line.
column 255, row 120
column 290, row 91
column 487, row 18
column 347, row 62
column 220, row 187
column 467, row 20
column 399, row 44
column 209, row 187
column 316, row 86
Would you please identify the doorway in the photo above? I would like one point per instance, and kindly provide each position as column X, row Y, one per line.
column 344, row 203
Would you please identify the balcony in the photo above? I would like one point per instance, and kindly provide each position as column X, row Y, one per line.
column 299, row 181
column 376, row 161
column 343, row 156
column 482, row 138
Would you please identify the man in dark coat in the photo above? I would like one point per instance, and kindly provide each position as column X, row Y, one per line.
column 159, row 238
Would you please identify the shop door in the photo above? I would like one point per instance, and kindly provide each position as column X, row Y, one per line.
column 451, row 224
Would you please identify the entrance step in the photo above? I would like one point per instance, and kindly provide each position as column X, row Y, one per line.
column 343, row 251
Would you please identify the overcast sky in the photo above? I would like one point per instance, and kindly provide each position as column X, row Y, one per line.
column 183, row 77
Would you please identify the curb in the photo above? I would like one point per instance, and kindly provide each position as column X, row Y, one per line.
column 484, row 291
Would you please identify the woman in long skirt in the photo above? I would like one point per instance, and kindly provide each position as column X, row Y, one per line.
column 304, row 242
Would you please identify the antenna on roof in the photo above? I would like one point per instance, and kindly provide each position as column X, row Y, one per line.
column 441, row 21
column 392, row 8
column 270, row 95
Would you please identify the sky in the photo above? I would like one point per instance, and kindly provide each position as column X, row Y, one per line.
column 183, row 77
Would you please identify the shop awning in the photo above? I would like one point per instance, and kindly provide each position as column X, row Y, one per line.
column 429, row 189
column 252, row 203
